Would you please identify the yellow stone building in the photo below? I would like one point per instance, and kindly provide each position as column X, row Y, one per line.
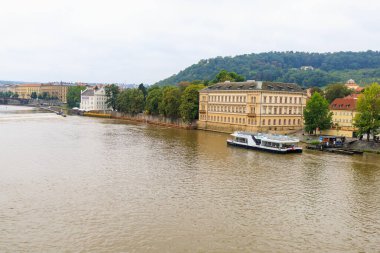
column 343, row 114
column 59, row 91
column 26, row 90
column 252, row 106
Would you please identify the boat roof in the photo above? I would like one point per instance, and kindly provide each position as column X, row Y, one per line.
column 278, row 138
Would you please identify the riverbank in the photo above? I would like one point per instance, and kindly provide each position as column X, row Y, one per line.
column 365, row 146
column 351, row 143
column 143, row 118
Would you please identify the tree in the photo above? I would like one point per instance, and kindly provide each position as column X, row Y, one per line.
column 73, row 95
column 15, row 95
column 45, row 95
column 367, row 120
column 130, row 101
column 153, row 100
column 189, row 107
column 224, row 75
column 143, row 90
column 6, row 94
column 316, row 89
column 170, row 102
column 317, row 114
column 112, row 91
column 33, row 95
column 328, row 68
column 337, row 90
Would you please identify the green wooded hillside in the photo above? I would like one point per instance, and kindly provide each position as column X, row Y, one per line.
column 363, row 67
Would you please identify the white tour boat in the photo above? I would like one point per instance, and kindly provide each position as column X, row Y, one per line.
column 267, row 142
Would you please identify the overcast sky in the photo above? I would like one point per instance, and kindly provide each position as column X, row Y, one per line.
column 146, row 41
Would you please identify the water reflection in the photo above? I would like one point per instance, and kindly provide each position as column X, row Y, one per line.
column 86, row 184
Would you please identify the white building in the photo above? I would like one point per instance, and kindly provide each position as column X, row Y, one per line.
column 93, row 99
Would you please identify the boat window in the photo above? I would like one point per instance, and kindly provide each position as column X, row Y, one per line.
column 242, row 140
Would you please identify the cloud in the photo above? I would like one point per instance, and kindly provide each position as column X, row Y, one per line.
column 146, row 40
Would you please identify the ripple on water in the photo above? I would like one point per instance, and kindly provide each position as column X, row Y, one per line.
column 95, row 185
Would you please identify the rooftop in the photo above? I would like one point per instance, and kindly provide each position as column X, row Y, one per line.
column 29, row 85
column 348, row 104
column 255, row 85
column 352, row 96
column 88, row 92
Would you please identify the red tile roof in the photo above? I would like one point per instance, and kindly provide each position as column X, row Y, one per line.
column 352, row 96
column 359, row 89
column 347, row 104
column 29, row 85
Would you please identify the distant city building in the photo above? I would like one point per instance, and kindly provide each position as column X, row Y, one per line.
column 252, row 106
column 353, row 86
column 6, row 88
column 94, row 99
column 307, row 68
column 26, row 90
column 308, row 92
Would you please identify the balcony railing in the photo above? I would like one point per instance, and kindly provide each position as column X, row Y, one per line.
column 251, row 114
column 202, row 111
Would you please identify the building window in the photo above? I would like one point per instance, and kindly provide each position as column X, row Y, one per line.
column 275, row 99
column 270, row 99
column 274, row 122
column 269, row 122
column 265, row 99
column 294, row 121
column 263, row 122
column 286, row 100
column 280, row 100
column 279, row 122
column 289, row 122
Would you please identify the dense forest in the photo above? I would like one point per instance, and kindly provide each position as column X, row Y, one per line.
column 363, row 67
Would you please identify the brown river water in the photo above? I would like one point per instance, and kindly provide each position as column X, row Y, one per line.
column 79, row 184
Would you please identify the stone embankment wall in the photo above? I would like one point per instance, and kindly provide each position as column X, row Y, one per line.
column 156, row 120
column 11, row 101
column 178, row 123
column 144, row 118
column 229, row 128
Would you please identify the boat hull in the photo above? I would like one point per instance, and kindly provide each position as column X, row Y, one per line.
column 277, row 151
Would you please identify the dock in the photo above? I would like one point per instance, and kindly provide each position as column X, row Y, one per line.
column 342, row 151
column 53, row 111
